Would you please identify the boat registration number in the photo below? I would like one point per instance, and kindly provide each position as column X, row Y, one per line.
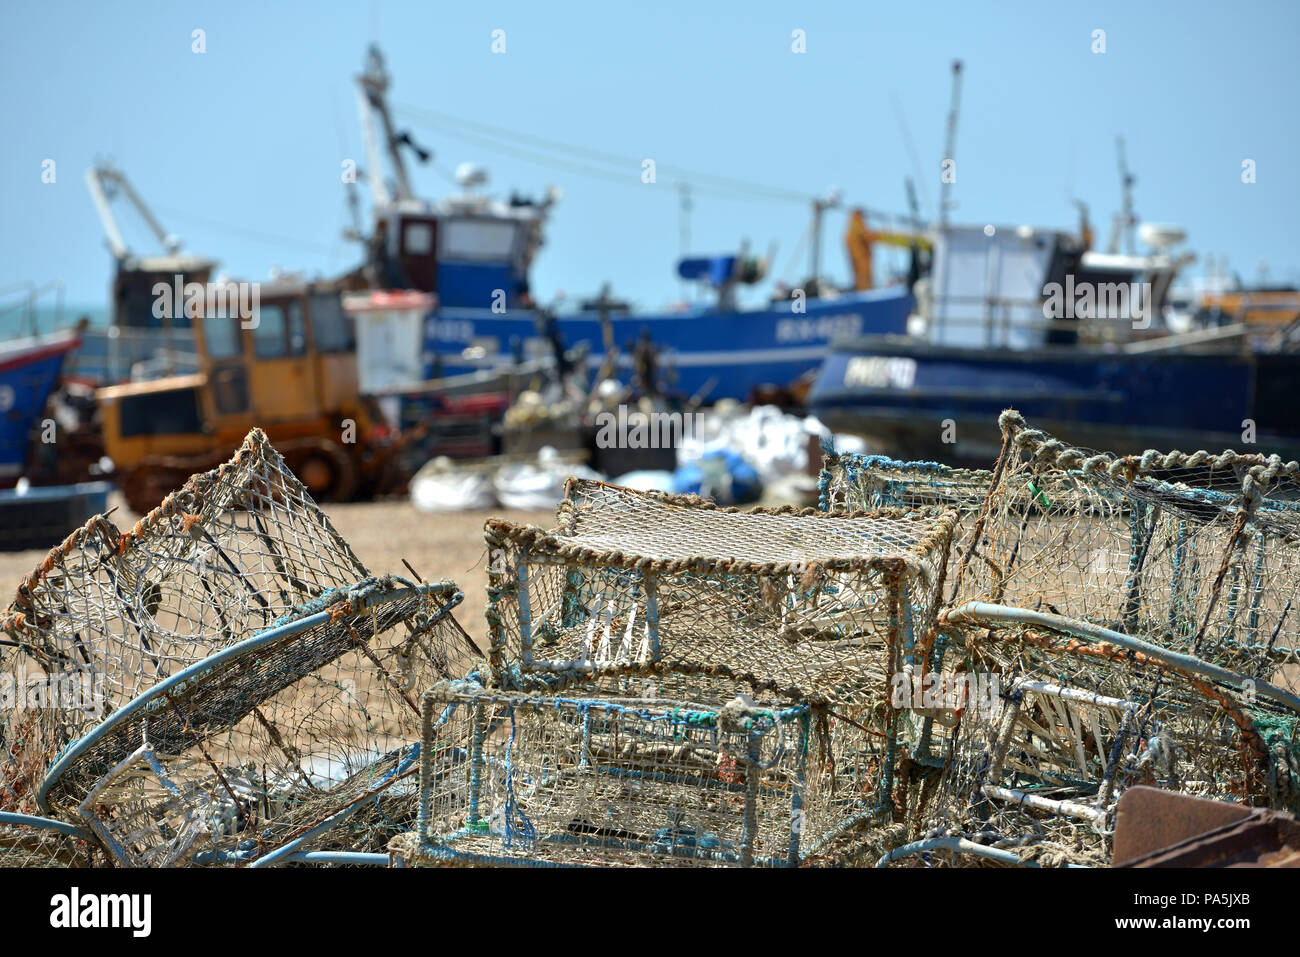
column 823, row 327
column 451, row 330
column 880, row 372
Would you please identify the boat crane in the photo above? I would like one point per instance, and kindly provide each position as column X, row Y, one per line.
column 105, row 181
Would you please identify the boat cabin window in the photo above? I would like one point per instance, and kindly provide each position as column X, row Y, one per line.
column 281, row 332
column 297, row 330
column 230, row 390
column 417, row 239
column 222, row 338
column 331, row 325
column 484, row 239
column 171, row 412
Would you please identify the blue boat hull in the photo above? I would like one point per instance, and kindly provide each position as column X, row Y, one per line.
column 904, row 394
column 726, row 354
column 29, row 371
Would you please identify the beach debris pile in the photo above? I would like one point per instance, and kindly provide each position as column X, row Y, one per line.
column 729, row 453
column 934, row 667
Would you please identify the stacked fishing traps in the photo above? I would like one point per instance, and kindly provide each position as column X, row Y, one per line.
column 674, row 683
column 254, row 689
column 937, row 667
column 1134, row 612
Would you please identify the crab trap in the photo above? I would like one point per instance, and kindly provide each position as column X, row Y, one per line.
column 257, row 687
column 1034, row 774
column 27, row 840
column 852, row 482
column 800, row 604
column 594, row 777
column 1194, row 552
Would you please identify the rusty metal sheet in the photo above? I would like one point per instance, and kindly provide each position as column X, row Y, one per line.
column 1149, row 819
column 1155, row 828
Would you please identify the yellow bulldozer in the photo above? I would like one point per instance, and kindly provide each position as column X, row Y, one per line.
column 287, row 365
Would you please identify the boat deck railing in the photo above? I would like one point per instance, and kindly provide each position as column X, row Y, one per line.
column 117, row 354
column 1004, row 318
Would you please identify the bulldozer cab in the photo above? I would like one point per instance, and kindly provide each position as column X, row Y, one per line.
column 291, row 361
column 287, row 365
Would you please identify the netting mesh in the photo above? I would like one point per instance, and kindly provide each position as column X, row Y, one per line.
column 668, row 683
column 795, row 606
column 30, row 841
column 852, row 482
column 816, row 607
column 1194, row 552
column 256, row 687
column 1038, row 769
column 597, row 777
column 1134, row 614
column 1130, row 608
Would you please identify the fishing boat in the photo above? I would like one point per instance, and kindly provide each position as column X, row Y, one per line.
column 141, row 341
column 1100, row 345
column 474, row 253
column 1004, row 323
column 30, row 367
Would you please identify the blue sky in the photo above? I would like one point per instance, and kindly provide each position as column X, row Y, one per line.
column 239, row 149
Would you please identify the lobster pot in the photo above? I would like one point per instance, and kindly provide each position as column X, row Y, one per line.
column 1188, row 551
column 30, row 841
column 813, row 607
column 1038, row 766
column 221, row 559
column 251, row 679
column 594, row 778
column 852, row 482
column 267, row 748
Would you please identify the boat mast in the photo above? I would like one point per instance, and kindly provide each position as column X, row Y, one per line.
column 950, row 145
column 1126, row 219
column 820, row 205
column 684, row 209
column 373, row 87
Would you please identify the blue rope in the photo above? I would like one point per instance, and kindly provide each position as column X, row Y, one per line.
column 524, row 832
